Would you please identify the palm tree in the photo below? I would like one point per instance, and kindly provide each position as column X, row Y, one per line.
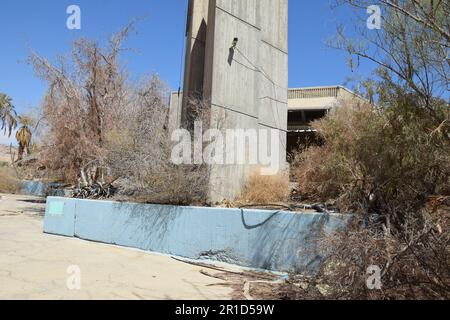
column 24, row 136
column 8, row 116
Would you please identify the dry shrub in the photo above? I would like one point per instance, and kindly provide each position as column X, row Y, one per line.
column 414, row 266
column 265, row 190
column 391, row 168
column 86, row 91
column 103, row 129
column 324, row 172
column 140, row 149
column 413, row 269
column 310, row 169
column 8, row 180
column 377, row 160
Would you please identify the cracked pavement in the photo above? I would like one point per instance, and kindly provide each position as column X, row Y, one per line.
column 34, row 265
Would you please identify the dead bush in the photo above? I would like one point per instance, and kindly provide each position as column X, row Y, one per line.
column 391, row 168
column 140, row 148
column 417, row 270
column 102, row 128
column 86, row 91
column 412, row 267
column 310, row 170
column 377, row 161
column 265, row 190
column 8, row 180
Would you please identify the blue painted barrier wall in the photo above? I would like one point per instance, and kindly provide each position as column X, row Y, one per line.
column 41, row 189
column 277, row 241
column 33, row 188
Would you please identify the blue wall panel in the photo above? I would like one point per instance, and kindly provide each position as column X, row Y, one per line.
column 278, row 241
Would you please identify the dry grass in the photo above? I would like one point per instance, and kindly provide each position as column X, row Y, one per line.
column 8, row 181
column 263, row 190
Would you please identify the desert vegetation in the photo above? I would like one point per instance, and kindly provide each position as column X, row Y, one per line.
column 8, row 115
column 265, row 190
column 391, row 169
column 387, row 161
column 140, row 149
column 377, row 160
column 8, row 179
column 9, row 121
column 24, row 136
column 105, row 133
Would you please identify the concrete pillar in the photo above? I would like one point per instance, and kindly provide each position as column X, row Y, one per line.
column 175, row 111
column 196, row 31
column 245, row 86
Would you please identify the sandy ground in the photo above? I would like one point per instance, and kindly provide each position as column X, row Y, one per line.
column 34, row 265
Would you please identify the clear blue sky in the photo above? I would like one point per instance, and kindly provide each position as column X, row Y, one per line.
column 41, row 25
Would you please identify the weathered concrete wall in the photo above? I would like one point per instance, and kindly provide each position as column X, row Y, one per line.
column 175, row 107
column 246, row 86
column 277, row 241
column 194, row 73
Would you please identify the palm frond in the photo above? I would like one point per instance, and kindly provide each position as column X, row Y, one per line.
column 8, row 115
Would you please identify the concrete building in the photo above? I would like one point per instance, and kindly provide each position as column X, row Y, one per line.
column 306, row 105
column 175, row 110
column 237, row 61
column 237, row 64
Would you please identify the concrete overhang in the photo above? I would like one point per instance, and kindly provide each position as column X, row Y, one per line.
column 311, row 104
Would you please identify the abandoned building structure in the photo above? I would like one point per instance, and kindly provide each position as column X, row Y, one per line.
column 305, row 105
column 236, row 62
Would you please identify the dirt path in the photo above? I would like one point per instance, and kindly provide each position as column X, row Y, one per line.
column 34, row 265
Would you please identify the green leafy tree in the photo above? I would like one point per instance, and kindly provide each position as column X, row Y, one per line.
column 411, row 50
column 8, row 116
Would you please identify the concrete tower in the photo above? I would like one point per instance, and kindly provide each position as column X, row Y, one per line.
column 237, row 61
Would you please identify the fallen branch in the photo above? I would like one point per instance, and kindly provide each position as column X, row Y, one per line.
column 243, row 274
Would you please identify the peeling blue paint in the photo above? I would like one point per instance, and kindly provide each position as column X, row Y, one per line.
column 41, row 189
column 276, row 241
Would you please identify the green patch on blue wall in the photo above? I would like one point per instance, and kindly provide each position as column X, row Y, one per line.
column 56, row 208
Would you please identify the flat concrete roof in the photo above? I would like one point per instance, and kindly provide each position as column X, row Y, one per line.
column 317, row 98
column 313, row 98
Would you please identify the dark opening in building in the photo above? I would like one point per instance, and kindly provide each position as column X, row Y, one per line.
column 300, row 130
